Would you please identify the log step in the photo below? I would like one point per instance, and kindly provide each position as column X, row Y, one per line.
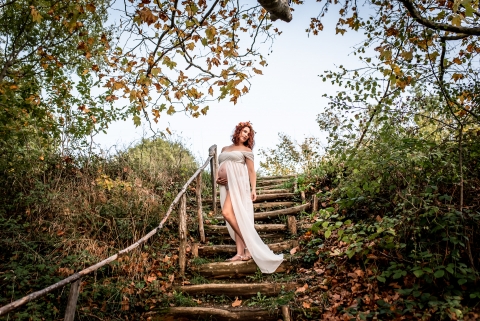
column 238, row 289
column 266, row 178
column 273, row 191
column 232, row 249
column 272, row 205
column 267, row 238
column 270, row 187
column 269, row 197
column 261, row 216
column 222, row 229
column 272, row 182
column 235, row 269
column 216, row 313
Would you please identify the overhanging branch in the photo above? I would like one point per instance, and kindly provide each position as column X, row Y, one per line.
column 408, row 4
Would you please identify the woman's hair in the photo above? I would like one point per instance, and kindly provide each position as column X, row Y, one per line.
column 250, row 142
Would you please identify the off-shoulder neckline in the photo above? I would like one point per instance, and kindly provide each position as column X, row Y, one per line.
column 240, row 151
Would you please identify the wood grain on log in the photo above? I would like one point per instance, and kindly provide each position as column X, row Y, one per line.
column 269, row 197
column 272, row 182
column 219, row 270
column 182, row 234
column 222, row 229
column 278, row 9
column 266, row 178
column 270, row 187
column 273, row 191
column 286, row 211
column 213, row 171
column 198, row 192
column 186, row 313
column 209, row 250
column 286, row 313
column 292, row 224
column 195, row 248
column 272, row 204
column 244, row 289
column 72, row 300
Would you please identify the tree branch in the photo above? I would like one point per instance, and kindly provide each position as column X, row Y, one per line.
column 408, row 4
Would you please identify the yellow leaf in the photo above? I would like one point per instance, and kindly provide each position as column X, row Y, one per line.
column 155, row 71
column 257, row 71
column 168, row 131
column 457, row 61
column 457, row 77
column 237, row 302
column 210, row 91
column 36, row 17
column 457, row 20
column 190, row 46
column 306, row 305
column 91, row 7
column 171, row 110
column 210, row 32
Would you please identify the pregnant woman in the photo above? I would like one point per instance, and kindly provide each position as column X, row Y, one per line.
column 237, row 179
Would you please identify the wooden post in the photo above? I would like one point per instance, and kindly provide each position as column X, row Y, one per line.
column 195, row 249
column 286, row 313
column 315, row 204
column 72, row 300
column 302, row 194
column 213, row 169
column 295, row 184
column 198, row 190
column 292, row 224
column 182, row 232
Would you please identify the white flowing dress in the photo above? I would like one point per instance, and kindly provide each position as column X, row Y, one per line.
column 239, row 188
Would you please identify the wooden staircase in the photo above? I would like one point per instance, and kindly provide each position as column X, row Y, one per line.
column 223, row 286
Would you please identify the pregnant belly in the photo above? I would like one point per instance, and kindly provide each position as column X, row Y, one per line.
column 222, row 173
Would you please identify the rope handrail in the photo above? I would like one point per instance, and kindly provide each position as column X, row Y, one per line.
column 212, row 151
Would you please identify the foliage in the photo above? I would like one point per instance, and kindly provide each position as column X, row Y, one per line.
column 396, row 209
column 61, row 214
column 289, row 157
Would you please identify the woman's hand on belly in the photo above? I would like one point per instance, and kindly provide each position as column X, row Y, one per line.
column 222, row 181
column 222, row 176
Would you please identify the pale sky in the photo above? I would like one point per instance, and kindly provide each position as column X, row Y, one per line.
column 286, row 98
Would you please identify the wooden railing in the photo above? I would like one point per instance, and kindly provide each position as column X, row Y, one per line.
column 75, row 279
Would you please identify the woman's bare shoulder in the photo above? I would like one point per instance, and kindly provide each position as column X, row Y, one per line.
column 226, row 148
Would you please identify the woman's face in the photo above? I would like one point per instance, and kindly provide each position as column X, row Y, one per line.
column 244, row 135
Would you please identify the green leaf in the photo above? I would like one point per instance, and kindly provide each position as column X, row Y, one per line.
column 418, row 273
column 137, row 121
column 381, row 278
column 439, row 273
column 328, row 233
column 462, row 281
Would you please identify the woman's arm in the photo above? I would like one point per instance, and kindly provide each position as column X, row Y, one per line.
column 253, row 177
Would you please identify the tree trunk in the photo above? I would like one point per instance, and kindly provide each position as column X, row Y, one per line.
column 278, row 9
